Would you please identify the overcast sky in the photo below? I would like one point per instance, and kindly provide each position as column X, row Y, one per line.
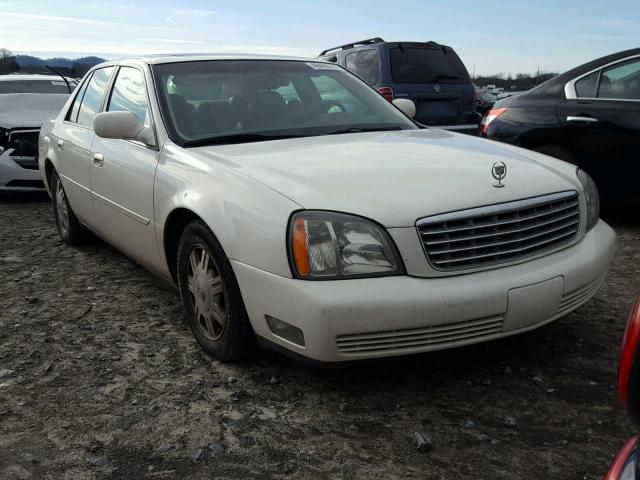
column 492, row 36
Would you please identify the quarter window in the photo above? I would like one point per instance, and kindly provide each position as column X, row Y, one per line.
column 130, row 95
column 587, row 86
column 365, row 65
column 93, row 96
column 621, row 81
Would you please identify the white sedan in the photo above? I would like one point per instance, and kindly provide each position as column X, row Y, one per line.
column 294, row 207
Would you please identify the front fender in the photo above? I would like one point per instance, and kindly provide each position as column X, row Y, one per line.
column 248, row 218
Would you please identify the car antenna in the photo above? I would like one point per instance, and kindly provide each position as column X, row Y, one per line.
column 61, row 76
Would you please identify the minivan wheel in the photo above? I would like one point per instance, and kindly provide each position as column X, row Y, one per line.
column 211, row 296
column 69, row 228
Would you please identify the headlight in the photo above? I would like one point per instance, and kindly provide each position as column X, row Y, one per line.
column 329, row 245
column 592, row 197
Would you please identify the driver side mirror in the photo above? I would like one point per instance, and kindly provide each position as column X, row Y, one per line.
column 121, row 126
column 406, row 106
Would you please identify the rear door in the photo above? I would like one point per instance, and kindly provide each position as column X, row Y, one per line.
column 123, row 174
column 72, row 140
column 435, row 79
column 602, row 127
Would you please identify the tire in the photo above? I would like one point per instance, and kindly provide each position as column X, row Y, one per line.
column 69, row 228
column 211, row 296
column 556, row 151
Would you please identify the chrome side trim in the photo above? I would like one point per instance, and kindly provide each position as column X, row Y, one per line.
column 570, row 88
column 121, row 209
column 67, row 179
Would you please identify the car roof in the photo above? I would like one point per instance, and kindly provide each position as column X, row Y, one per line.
column 14, row 76
column 584, row 68
column 198, row 57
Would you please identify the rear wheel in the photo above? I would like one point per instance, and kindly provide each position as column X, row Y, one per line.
column 69, row 228
column 211, row 296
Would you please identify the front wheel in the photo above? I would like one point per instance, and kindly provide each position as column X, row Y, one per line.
column 211, row 296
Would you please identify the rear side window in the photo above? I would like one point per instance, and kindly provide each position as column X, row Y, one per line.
column 365, row 65
column 426, row 65
column 587, row 86
column 621, row 81
column 130, row 94
column 72, row 116
column 93, row 96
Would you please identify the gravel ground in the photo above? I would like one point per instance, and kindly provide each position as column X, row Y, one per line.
column 101, row 378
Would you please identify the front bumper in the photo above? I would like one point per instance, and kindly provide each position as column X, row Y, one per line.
column 15, row 178
column 359, row 319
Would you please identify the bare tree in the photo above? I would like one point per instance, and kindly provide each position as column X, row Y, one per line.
column 8, row 62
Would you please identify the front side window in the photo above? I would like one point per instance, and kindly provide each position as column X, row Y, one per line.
column 130, row 94
column 587, row 86
column 365, row 65
column 621, row 81
column 229, row 101
column 93, row 96
column 72, row 115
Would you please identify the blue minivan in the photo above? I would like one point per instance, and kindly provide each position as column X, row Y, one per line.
column 430, row 74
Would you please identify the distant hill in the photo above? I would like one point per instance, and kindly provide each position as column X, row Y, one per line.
column 76, row 67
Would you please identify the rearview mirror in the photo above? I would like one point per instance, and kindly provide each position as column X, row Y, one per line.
column 122, row 125
column 406, row 106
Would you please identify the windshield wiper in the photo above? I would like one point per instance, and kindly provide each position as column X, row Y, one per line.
column 237, row 138
column 363, row 129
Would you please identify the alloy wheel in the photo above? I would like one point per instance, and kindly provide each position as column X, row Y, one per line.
column 207, row 292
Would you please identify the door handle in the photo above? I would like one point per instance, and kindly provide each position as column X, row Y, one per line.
column 582, row 119
column 98, row 159
column 60, row 144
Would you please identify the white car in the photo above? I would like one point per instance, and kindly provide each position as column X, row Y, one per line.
column 294, row 207
column 26, row 101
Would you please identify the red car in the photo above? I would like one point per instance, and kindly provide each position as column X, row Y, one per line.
column 626, row 466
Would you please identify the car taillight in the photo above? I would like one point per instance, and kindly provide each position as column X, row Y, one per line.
column 628, row 351
column 386, row 92
column 489, row 117
column 624, row 465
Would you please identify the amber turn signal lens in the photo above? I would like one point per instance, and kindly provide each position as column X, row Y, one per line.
column 300, row 247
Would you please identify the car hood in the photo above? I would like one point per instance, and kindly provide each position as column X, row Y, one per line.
column 394, row 178
column 19, row 110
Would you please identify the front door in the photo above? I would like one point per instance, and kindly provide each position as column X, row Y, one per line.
column 123, row 173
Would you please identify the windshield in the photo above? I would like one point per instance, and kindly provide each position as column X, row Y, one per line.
column 233, row 101
column 427, row 65
column 35, row 86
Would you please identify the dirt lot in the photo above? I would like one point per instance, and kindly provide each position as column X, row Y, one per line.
column 101, row 378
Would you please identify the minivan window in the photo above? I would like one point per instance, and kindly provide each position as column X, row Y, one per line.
column 621, row 81
column 233, row 101
column 130, row 94
column 364, row 64
column 93, row 96
column 36, row 86
column 426, row 65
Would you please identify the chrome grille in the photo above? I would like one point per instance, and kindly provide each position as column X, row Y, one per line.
column 434, row 336
column 500, row 233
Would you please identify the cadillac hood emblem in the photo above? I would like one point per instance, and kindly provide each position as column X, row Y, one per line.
column 437, row 88
column 499, row 171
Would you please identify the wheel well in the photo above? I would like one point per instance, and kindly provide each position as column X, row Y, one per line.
column 174, row 226
column 48, row 168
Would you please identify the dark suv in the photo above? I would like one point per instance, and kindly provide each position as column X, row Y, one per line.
column 430, row 74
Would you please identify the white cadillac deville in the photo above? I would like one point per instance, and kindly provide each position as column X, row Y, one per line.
column 294, row 207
